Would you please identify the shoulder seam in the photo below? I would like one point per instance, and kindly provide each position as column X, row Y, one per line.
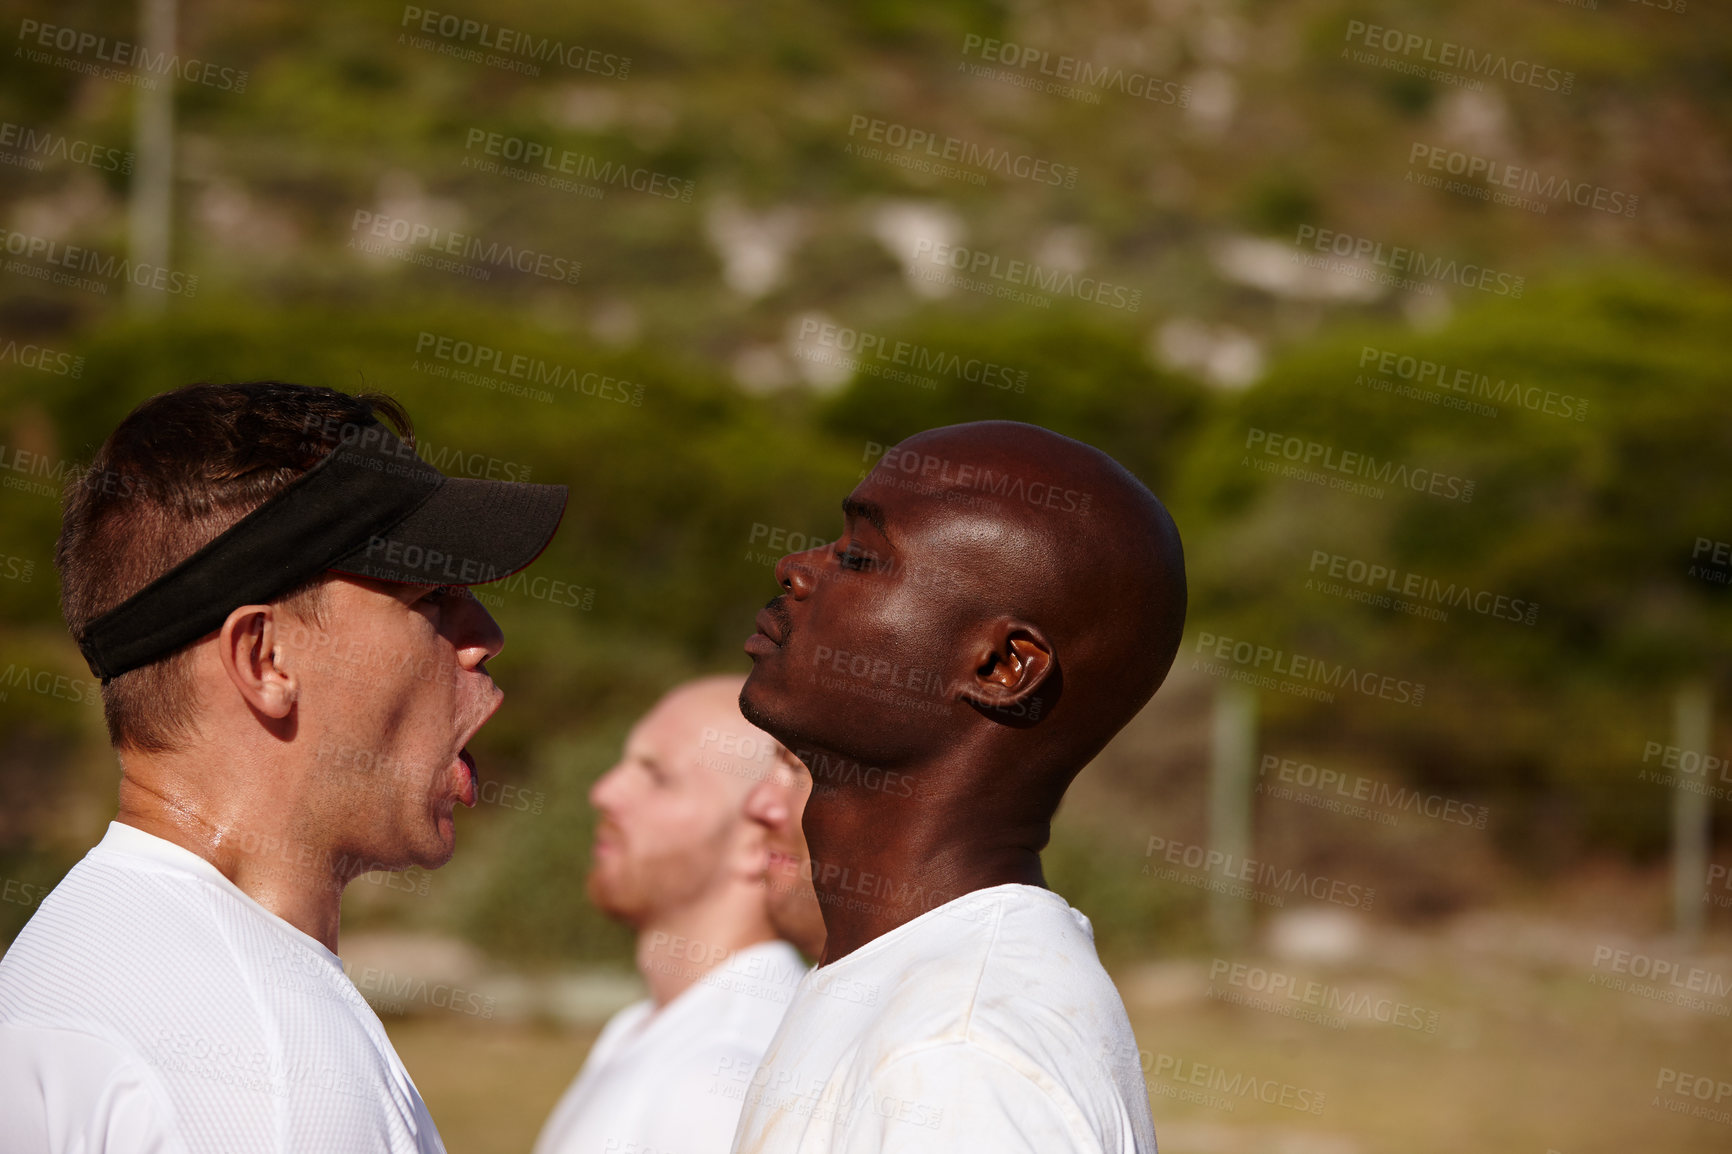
column 985, row 957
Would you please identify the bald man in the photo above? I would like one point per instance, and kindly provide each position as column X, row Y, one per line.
column 1002, row 600
column 676, row 859
column 776, row 804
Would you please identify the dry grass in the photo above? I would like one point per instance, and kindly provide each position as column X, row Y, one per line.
column 1529, row 1057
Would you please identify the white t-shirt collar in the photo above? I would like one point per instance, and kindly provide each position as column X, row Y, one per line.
column 950, row 909
column 131, row 841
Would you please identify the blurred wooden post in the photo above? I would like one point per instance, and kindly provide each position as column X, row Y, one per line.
column 1692, row 725
column 1230, row 784
column 150, row 207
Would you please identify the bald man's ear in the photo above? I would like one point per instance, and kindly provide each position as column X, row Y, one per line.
column 749, row 855
column 1015, row 671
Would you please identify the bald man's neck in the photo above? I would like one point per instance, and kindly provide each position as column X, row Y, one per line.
column 880, row 860
column 676, row 949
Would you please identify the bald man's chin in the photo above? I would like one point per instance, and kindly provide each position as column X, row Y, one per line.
column 611, row 902
column 768, row 707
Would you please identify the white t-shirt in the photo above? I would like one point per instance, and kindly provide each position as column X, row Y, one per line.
column 655, row 1082
column 984, row 1025
column 150, row 1005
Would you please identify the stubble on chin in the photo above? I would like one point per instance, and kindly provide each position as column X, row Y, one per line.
column 610, row 898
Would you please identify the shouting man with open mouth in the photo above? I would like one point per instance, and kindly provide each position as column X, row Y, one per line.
column 272, row 587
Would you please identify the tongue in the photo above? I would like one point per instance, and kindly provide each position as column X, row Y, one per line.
column 467, row 794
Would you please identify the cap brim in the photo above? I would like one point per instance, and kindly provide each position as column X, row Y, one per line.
column 468, row 532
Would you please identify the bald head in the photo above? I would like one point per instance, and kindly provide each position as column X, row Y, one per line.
column 1000, row 595
column 703, row 723
column 673, row 834
column 1079, row 546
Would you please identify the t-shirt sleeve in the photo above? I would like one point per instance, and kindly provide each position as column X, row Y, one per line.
column 62, row 1091
column 961, row 1099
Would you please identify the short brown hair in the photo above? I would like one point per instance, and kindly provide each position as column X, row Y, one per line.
column 181, row 469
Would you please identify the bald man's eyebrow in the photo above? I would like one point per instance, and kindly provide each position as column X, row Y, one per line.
column 870, row 510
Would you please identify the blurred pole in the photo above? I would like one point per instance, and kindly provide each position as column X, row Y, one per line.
column 150, row 211
column 1692, row 723
column 1230, row 786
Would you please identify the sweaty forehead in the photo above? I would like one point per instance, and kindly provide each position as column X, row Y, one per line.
column 933, row 481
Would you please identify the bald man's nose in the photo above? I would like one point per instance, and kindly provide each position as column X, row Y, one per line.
column 796, row 572
column 765, row 806
column 603, row 789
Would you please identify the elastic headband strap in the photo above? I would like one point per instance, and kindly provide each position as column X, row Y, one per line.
column 363, row 489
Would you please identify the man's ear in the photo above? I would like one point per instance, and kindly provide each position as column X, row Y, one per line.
column 1012, row 665
column 749, row 855
column 248, row 644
